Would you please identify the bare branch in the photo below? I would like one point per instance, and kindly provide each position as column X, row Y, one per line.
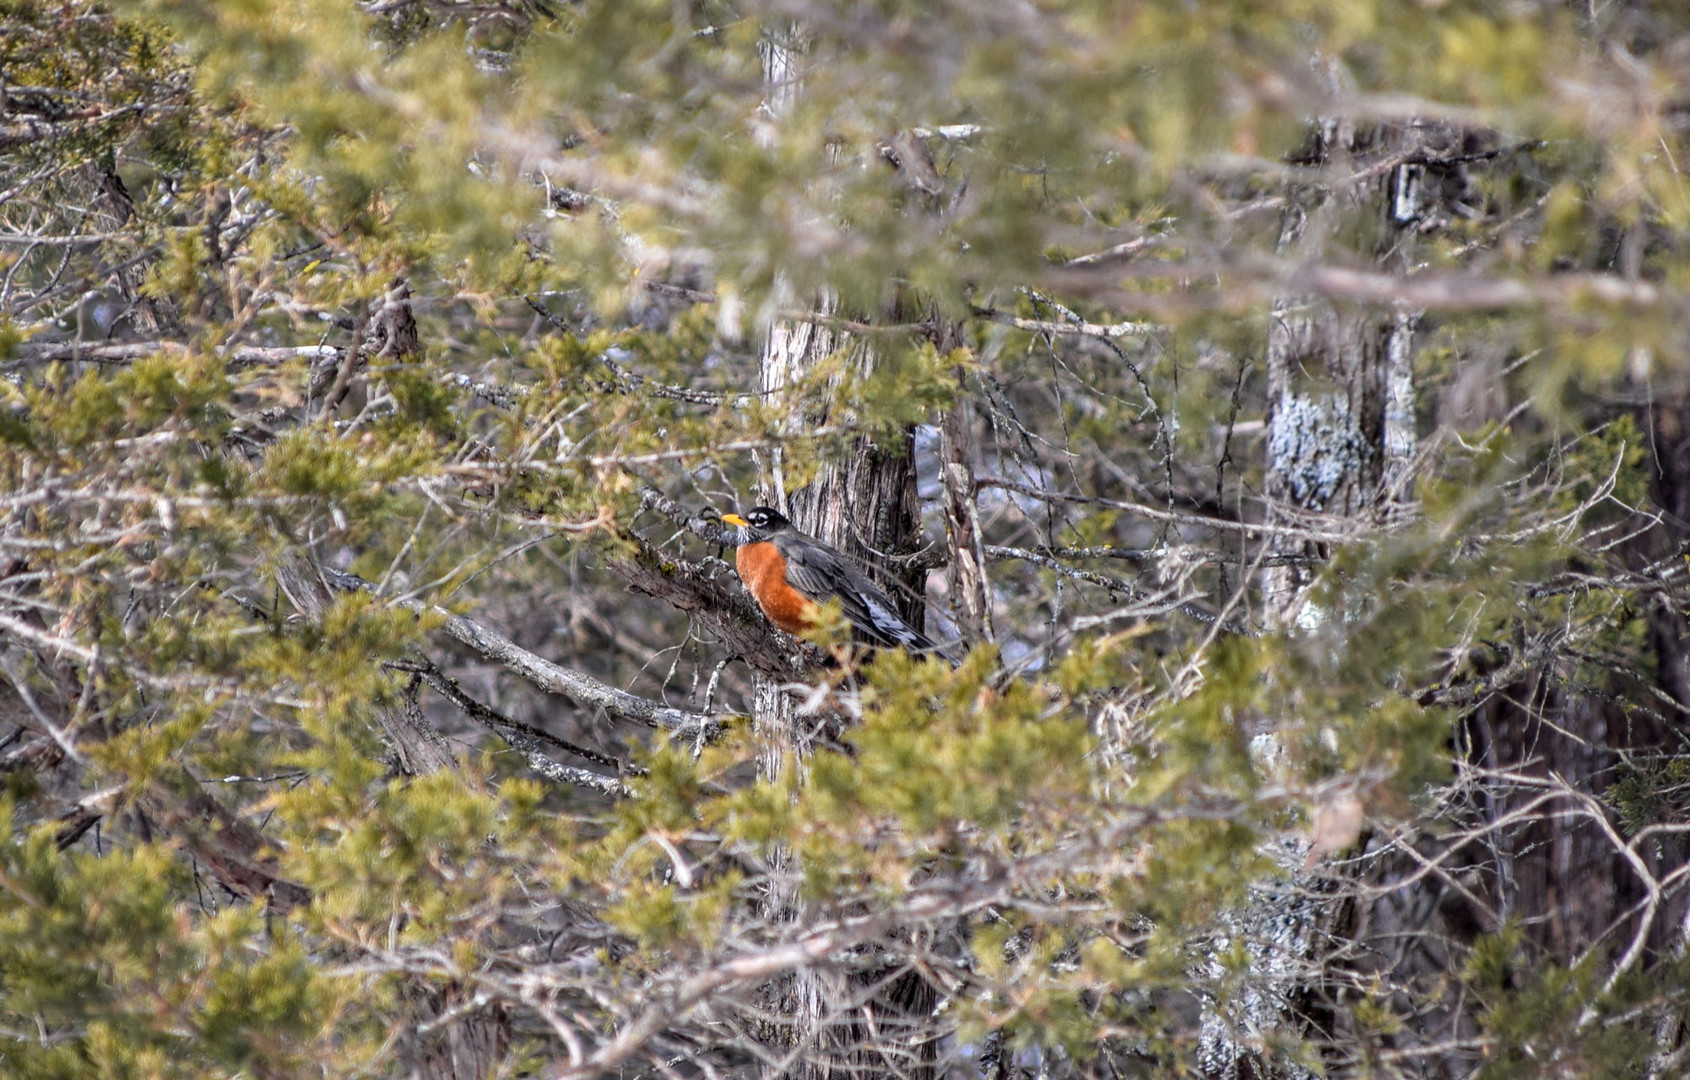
column 549, row 676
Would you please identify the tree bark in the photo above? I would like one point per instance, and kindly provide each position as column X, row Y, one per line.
column 969, row 591
column 1341, row 396
column 868, row 1021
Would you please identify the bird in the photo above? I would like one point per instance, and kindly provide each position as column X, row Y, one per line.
column 791, row 575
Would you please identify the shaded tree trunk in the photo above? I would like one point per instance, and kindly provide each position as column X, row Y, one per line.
column 1341, row 434
column 872, row 1021
column 968, row 589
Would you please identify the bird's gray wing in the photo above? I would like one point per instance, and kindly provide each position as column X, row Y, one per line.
column 822, row 575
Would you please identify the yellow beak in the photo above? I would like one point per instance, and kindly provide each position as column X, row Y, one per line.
column 735, row 519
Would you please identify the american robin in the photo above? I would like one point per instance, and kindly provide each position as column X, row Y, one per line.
column 792, row 574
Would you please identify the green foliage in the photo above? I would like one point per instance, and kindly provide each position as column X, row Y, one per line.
column 1552, row 1012
column 102, row 951
column 219, row 856
column 908, row 387
column 1650, row 792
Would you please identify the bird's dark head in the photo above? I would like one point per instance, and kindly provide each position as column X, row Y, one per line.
column 758, row 521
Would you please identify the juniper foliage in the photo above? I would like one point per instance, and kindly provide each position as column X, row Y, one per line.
column 1284, row 406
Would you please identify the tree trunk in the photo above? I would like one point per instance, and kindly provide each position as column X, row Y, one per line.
column 1341, row 396
column 871, row 1021
column 970, row 593
column 826, row 1022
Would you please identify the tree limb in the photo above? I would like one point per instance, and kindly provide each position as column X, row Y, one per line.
column 526, row 739
column 579, row 687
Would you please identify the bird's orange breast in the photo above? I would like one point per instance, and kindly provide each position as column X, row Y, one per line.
column 763, row 569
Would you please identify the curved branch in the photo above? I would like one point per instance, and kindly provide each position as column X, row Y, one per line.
column 583, row 689
column 526, row 739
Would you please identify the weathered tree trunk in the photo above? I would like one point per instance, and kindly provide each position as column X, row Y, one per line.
column 1669, row 642
column 835, row 1024
column 969, row 591
column 872, row 1021
column 1340, row 391
column 1340, row 383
